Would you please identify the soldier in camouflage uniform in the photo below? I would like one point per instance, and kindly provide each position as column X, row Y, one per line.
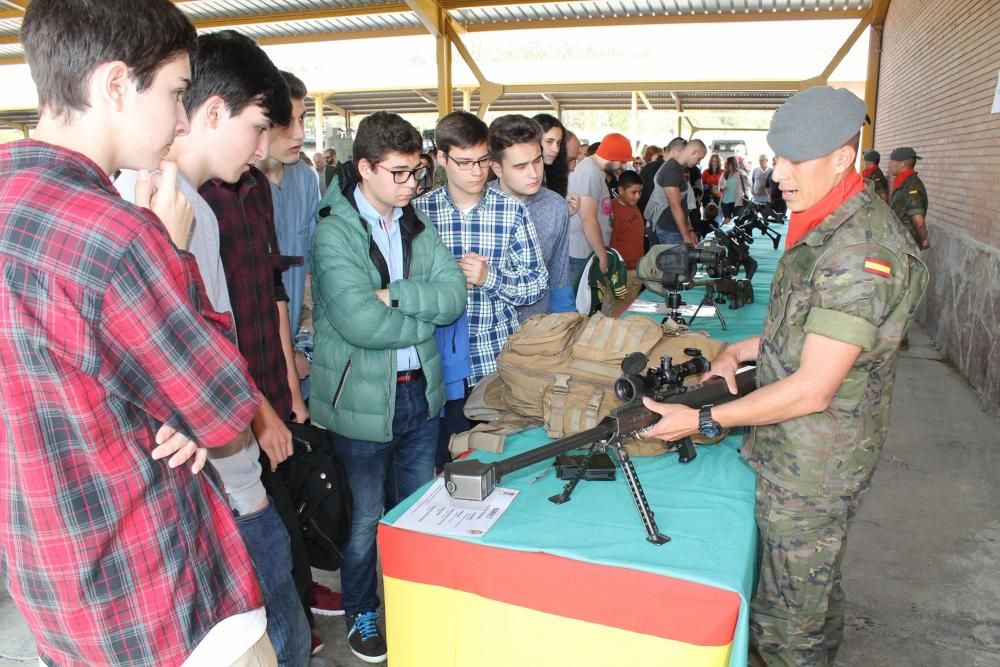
column 843, row 296
column 909, row 196
column 872, row 172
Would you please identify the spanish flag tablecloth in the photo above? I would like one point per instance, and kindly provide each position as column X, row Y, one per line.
column 578, row 584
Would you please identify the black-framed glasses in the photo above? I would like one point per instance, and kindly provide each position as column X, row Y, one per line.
column 466, row 165
column 400, row 176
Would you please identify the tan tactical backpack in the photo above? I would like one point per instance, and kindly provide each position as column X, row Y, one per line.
column 559, row 371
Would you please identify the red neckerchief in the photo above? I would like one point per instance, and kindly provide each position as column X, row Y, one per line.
column 803, row 222
column 867, row 173
column 902, row 176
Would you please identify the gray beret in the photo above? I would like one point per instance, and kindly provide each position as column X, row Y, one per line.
column 815, row 122
column 872, row 156
column 904, row 153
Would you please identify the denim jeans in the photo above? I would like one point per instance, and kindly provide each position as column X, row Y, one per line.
column 268, row 544
column 671, row 238
column 381, row 474
column 576, row 265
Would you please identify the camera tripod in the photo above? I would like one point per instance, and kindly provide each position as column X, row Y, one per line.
column 710, row 300
column 674, row 302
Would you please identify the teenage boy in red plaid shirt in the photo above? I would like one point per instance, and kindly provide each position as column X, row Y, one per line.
column 108, row 348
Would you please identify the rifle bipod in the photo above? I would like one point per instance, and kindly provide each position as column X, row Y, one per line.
column 709, row 300
column 614, row 443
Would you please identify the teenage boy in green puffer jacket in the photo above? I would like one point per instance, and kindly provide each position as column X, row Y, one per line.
column 382, row 283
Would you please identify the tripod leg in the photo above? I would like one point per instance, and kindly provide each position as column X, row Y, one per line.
column 718, row 311
column 564, row 495
column 653, row 533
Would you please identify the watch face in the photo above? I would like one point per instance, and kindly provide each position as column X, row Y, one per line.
column 707, row 426
column 711, row 430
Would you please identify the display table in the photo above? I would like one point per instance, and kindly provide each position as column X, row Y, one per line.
column 577, row 584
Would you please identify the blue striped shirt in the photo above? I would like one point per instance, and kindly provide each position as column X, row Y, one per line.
column 498, row 228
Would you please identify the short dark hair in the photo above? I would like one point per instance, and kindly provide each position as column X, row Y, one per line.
column 593, row 148
column 382, row 133
column 296, row 88
column 65, row 40
column 711, row 211
column 507, row 131
column 699, row 142
column 676, row 143
column 460, row 129
column 628, row 178
column 233, row 67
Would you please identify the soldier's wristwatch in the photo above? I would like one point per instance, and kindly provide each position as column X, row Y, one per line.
column 707, row 426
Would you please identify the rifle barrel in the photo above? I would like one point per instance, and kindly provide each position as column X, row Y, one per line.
column 605, row 429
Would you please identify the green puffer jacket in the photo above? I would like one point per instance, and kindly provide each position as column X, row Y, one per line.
column 354, row 326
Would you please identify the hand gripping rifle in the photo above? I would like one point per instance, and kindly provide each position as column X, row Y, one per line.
column 475, row 480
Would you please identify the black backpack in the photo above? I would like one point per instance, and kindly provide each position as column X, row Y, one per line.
column 317, row 485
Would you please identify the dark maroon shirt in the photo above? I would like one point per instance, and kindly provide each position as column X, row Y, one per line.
column 253, row 265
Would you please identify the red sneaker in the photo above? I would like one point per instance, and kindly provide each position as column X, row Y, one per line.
column 326, row 602
column 317, row 645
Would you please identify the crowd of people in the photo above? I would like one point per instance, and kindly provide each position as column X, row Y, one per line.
column 181, row 282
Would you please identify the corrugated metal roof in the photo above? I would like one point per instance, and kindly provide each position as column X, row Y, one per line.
column 271, row 21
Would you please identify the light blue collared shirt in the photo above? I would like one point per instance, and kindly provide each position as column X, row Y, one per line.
column 389, row 240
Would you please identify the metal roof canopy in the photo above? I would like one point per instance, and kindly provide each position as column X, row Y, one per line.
column 293, row 21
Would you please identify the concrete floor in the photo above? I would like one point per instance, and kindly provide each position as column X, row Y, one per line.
column 921, row 572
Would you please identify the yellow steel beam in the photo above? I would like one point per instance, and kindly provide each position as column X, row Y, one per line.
column 555, row 104
column 677, row 102
column 431, row 14
column 628, row 86
column 848, row 44
column 645, row 100
column 489, row 92
column 426, row 98
column 320, row 124
column 23, row 129
column 879, row 8
column 435, row 20
column 7, row 40
column 12, row 60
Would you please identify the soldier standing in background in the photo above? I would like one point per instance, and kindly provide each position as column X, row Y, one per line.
column 909, row 196
column 843, row 296
column 873, row 173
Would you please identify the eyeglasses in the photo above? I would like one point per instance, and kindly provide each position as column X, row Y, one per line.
column 400, row 176
column 466, row 165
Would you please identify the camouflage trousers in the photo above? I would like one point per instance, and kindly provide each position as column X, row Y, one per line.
column 797, row 612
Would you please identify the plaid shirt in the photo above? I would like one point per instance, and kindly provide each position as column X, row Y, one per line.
column 113, row 558
column 498, row 228
column 253, row 266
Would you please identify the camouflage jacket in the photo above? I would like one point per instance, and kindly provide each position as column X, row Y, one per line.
column 878, row 179
column 910, row 198
column 856, row 278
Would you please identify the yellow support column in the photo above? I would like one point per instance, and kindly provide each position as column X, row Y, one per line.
column 319, row 126
column 879, row 10
column 443, row 41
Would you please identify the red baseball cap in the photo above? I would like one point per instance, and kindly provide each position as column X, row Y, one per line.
column 615, row 147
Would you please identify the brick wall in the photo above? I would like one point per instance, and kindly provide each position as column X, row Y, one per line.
column 938, row 74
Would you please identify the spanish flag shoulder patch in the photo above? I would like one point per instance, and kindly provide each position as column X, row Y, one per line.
column 878, row 267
